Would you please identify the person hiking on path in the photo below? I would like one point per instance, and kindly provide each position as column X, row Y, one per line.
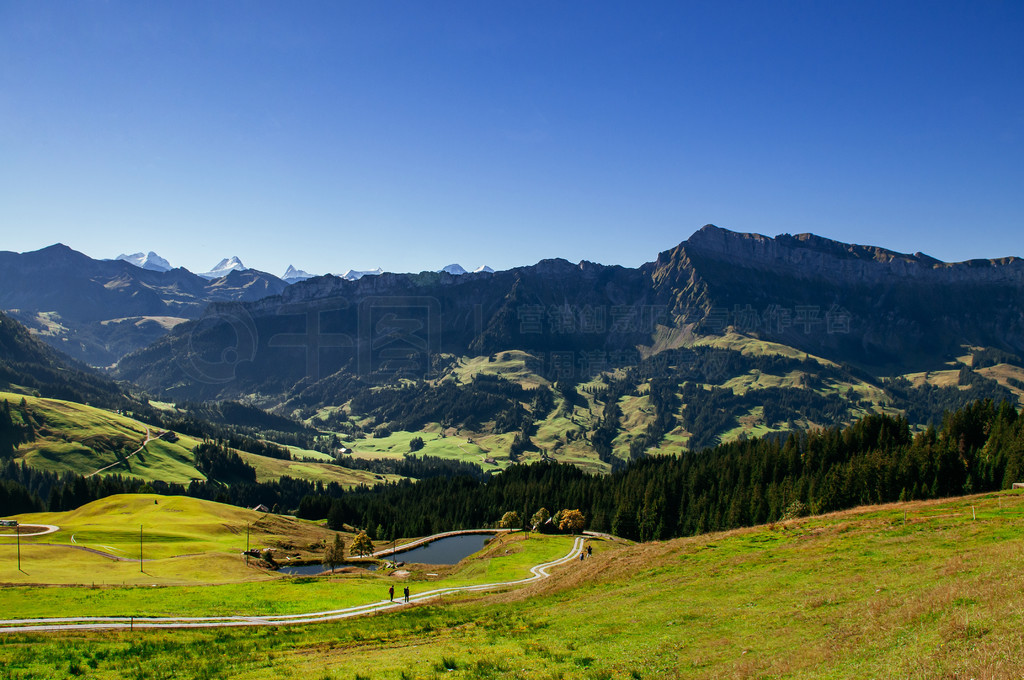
column 582, row 555
column 407, row 594
column 391, row 593
column 590, row 551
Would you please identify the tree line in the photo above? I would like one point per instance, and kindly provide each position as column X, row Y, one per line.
column 878, row 459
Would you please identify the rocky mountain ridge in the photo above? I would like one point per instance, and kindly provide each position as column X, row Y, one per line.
column 813, row 257
column 869, row 307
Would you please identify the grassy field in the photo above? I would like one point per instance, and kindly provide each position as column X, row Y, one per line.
column 270, row 469
column 453, row 447
column 267, row 593
column 194, row 543
column 510, row 365
column 917, row 590
column 1001, row 373
column 184, row 540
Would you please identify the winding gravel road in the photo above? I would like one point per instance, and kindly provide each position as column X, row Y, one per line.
column 122, row 622
column 43, row 530
column 148, row 439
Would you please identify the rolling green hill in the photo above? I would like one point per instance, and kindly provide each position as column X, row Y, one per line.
column 184, row 541
column 84, row 440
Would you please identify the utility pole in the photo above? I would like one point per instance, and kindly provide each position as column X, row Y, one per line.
column 140, row 550
column 17, row 532
column 247, row 544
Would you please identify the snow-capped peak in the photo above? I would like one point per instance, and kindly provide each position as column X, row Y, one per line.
column 150, row 261
column 458, row 270
column 353, row 275
column 225, row 267
column 293, row 275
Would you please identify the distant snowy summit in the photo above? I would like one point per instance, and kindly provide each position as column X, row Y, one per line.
column 154, row 262
column 293, row 275
column 150, row 261
column 225, row 267
column 458, row 270
column 353, row 275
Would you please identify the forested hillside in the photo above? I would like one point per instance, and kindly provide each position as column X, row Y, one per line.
column 876, row 460
column 28, row 364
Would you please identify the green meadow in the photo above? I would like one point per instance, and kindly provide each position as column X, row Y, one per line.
column 183, row 540
column 469, row 449
column 82, row 439
column 193, row 563
column 916, row 590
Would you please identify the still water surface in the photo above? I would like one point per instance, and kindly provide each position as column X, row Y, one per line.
column 314, row 569
column 448, row 550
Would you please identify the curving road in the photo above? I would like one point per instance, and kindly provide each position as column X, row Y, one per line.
column 148, row 439
column 122, row 622
column 45, row 529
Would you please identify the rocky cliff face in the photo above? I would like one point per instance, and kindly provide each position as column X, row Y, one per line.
column 859, row 304
column 810, row 257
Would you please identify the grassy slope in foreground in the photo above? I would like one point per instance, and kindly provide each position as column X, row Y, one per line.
column 849, row 595
column 189, row 544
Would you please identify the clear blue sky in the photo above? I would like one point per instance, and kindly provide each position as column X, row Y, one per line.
column 337, row 135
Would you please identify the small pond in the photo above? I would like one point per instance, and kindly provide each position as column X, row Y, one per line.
column 449, row 550
column 314, row 569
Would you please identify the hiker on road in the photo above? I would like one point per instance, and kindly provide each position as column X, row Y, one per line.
column 391, row 593
column 407, row 594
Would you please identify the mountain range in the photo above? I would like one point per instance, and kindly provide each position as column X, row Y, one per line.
column 733, row 332
column 293, row 275
column 99, row 310
column 827, row 329
column 154, row 262
column 859, row 305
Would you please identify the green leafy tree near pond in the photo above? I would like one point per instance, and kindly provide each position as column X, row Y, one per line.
column 571, row 521
column 335, row 553
column 510, row 520
column 362, row 545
